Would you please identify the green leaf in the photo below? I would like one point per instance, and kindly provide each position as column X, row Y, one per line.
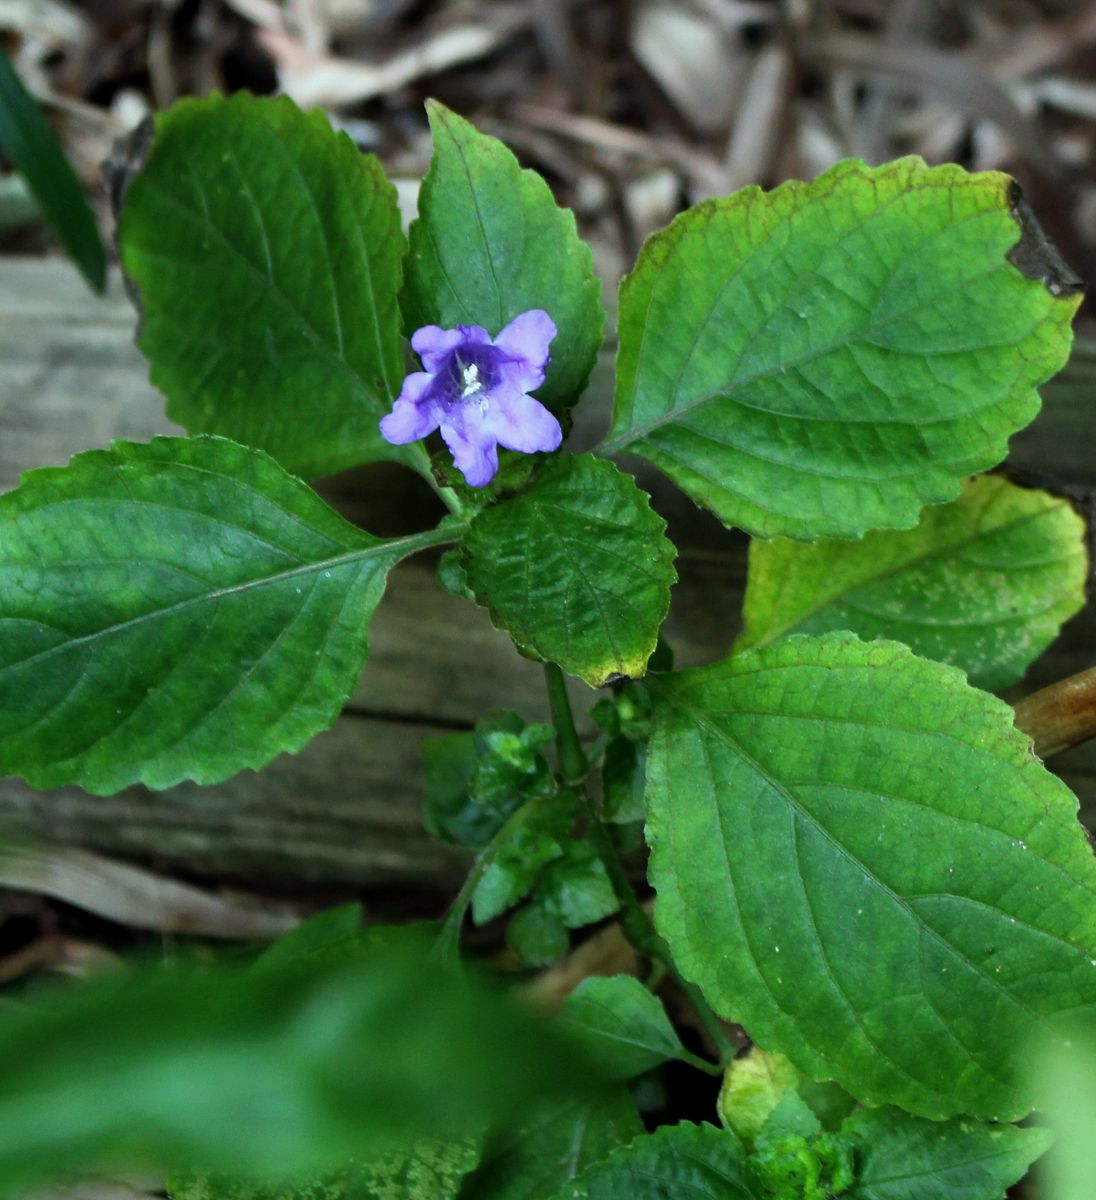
column 901, row 1157
column 490, row 243
column 28, row 143
column 622, row 1026
column 430, row 1170
column 178, row 610
column 790, row 1117
column 267, row 251
column 984, row 583
column 830, row 357
column 276, row 1072
column 577, row 570
column 676, row 1161
column 859, row 859
column 753, row 1086
column 322, row 937
column 623, row 779
column 475, row 781
column 537, row 937
column 536, row 834
column 575, row 887
column 556, row 1143
column 801, row 1163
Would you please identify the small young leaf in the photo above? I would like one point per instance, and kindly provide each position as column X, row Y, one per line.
column 752, row 1087
column 536, row 834
column 448, row 811
column 697, row 1161
column 858, row 857
column 621, row 1025
column 475, row 781
column 984, row 583
column 830, row 357
column 901, row 1157
column 28, row 143
column 537, row 937
column 267, row 251
column 490, row 243
column 802, row 1163
column 556, row 1143
column 178, row 610
column 575, row 887
column 791, row 1117
column 578, row 569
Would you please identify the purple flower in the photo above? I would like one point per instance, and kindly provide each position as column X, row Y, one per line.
column 474, row 389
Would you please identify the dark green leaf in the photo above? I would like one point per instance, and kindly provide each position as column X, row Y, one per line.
column 490, row 243
column 320, row 937
column 536, row 834
column 575, row 887
column 830, row 357
column 448, row 812
column 577, row 569
column 28, row 143
column 984, row 583
column 537, row 937
column 557, row 1142
column 267, row 251
column 278, row 1071
column 858, row 857
column 621, row 1025
column 900, row 1157
column 623, row 779
column 180, row 610
column 677, row 1161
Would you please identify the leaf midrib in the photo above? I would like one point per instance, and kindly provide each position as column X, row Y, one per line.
column 782, row 789
column 918, row 560
column 397, row 548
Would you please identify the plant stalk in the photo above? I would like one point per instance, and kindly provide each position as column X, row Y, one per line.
column 633, row 918
column 1061, row 715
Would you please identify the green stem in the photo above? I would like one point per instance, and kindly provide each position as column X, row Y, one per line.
column 448, row 939
column 634, row 920
column 420, row 464
column 572, row 760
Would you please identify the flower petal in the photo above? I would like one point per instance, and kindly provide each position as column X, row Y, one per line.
column 519, row 422
column 526, row 340
column 434, row 345
column 474, row 453
column 413, row 414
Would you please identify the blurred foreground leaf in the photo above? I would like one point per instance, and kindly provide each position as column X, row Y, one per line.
column 27, row 141
column 273, row 1071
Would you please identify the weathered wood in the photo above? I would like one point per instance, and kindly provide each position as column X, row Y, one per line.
column 345, row 812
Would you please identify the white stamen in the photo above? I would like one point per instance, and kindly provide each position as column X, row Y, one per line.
column 471, row 379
